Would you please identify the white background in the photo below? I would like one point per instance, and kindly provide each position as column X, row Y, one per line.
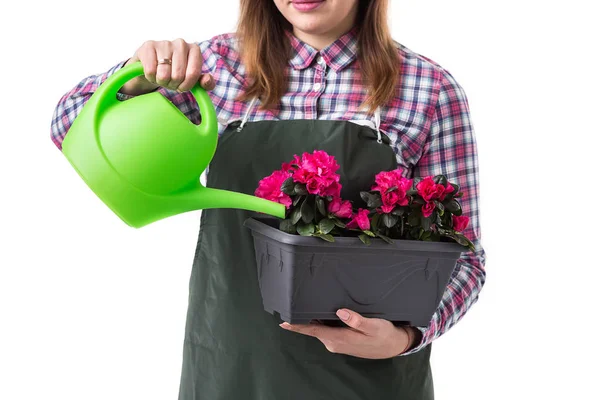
column 92, row 309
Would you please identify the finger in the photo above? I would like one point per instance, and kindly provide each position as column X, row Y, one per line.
column 356, row 321
column 332, row 347
column 179, row 63
column 193, row 70
column 147, row 56
column 207, row 82
column 320, row 332
column 163, row 71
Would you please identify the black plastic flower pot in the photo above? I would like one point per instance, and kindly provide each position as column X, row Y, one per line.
column 306, row 278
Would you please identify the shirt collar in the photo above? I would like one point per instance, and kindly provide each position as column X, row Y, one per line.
column 337, row 55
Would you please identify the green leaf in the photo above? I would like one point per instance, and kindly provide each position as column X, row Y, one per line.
column 296, row 215
column 458, row 237
column 426, row 236
column 426, row 223
column 287, row 186
column 418, row 200
column 452, row 206
column 339, row 223
column 444, row 231
column 439, row 205
column 414, row 219
column 375, row 222
column 307, row 211
column 325, row 237
column 398, row 211
column 297, row 200
column 462, row 239
column 368, row 233
column 321, row 206
column 372, row 200
column 415, row 231
column 401, row 227
column 385, row 238
column 305, row 229
column 366, row 196
column 456, row 189
column 438, row 219
column 365, row 239
column 375, row 202
column 441, row 180
column 287, row 226
column 391, row 189
column 389, row 220
column 300, row 189
column 326, row 225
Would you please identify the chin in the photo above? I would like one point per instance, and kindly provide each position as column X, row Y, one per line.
column 310, row 24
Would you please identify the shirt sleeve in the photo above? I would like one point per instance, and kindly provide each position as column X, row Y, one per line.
column 71, row 103
column 451, row 150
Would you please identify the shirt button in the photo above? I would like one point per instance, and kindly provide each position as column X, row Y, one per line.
column 320, row 60
column 317, row 87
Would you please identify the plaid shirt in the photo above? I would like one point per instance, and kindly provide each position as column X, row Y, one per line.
column 428, row 122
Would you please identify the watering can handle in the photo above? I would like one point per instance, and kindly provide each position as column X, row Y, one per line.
column 116, row 81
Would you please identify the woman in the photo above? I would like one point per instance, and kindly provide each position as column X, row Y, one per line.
column 300, row 75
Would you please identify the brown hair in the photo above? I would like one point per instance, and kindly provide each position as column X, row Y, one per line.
column 266, row 50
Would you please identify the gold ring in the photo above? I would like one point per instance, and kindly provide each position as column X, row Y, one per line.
column 164, row 61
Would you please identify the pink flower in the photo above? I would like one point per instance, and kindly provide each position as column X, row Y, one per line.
column 320, row 163
column 386, row 209
column 335, row 189
column 270, row 188
column 428, row 208
column 288, row 166
column 389, row 201
column 360, row 220
column 323, row 186
column 460, row 222
column 389, row 179
column 318, row 172
column 340, row 208
column 430, row 190
column 449, row 189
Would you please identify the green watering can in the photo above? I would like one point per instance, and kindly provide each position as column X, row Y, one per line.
column 143, row 157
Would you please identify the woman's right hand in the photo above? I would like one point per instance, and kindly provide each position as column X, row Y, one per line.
column 183, row 73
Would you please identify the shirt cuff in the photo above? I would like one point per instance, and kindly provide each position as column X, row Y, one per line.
column 123, row 96
column 424, row 342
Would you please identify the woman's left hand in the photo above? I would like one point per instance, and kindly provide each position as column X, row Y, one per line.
column 372, row 338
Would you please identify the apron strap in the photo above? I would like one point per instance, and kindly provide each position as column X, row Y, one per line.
column 247, row 114
column 377, row 124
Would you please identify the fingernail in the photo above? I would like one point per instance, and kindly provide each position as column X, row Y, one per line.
column 285, row 325
column 343, row 314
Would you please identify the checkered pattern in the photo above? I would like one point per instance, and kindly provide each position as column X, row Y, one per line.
column 428, row 122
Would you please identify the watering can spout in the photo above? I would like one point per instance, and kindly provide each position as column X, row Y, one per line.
column 202, row 197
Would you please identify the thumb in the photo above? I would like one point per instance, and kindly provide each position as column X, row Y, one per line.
column 355, row 320
column 207, row 82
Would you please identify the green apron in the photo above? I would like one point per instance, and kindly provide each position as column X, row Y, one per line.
column 233, row 349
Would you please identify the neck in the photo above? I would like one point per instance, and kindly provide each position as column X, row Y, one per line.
column 322, row 40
